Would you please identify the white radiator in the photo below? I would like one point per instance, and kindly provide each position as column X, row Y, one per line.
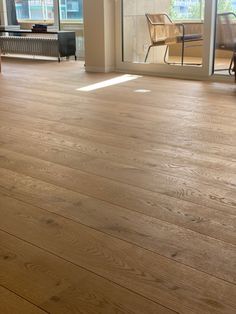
column 29, row 45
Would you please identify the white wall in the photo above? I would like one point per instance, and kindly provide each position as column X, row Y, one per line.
column 3, row 13
column 99, row 33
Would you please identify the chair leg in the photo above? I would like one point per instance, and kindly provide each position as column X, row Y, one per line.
column 166, row 62
column 174, row 63
column 182, row 56
column 147, row 53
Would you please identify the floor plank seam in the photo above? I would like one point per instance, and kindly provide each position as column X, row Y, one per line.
column 86, row 269
column 21, row 297
column 115, row 237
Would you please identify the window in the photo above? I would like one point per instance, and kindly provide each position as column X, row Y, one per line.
column 71, row 9
column 43, row 10
column 193, row 9
column 186, row 9
column 34, row 10
column 226, row 6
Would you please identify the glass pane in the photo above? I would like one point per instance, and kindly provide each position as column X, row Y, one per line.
column 22, row 9
column 225, row 36
column 37, row 10
column 71, row 9
column 43, row 9
column 173, row 38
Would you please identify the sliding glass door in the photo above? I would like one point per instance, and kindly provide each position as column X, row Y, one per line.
column 167, row 36
column 225, row 37
column 154, row 37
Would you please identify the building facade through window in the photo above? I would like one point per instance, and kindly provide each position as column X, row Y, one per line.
column 43, row 10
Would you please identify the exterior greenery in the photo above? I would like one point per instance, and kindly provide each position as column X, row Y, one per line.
column 194, row 9
column 225, row 6
column 186, row 10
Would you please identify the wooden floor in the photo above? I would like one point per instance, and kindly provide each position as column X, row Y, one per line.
column 114, row 201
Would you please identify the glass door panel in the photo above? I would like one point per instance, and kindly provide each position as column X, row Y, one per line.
column 174, row 38
column 225, row 36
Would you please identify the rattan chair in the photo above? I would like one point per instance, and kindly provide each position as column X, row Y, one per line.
column 226, row 35
column 164, row 32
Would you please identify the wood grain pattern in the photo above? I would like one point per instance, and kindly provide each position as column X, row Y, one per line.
column 85, row 141
column 12, row 303
column 114, row 201
column 61, row 287
column 145, row 273
column 55, row 199
column 82, row 182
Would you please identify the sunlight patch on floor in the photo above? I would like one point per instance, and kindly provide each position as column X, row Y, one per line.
column 114, row 81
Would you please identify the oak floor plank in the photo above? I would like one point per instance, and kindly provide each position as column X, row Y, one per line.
column 209, row 114
column 157, row 236
column 161, row 119
column 181, row 135
column 107, row 126
column 102, row 188
column 147, row 155
column 10, row 303
column 222, row 173
column 202, row 119
column 143, row 272
column 31, row 123
column 117, row 192
column 201, row 215
column 85, row 209
column 185, row 94
column 114, row 201
column 157, row 112
column 60, row 287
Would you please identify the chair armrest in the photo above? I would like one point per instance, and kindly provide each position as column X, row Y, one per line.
column 191, row 28
column 227, row 13
column 163, row 14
